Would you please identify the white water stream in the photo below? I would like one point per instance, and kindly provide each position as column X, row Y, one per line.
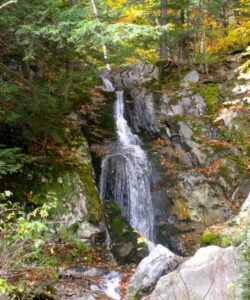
column 125, row 175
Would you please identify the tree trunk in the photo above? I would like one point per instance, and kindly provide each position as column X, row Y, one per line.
column 182, row 41
column 188, row 34
column 104, row 46
column 203, row 46
column 163, row 22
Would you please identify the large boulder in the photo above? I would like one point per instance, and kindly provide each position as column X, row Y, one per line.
column 212, row 273
column 159, row 262
column 68, row 180
column 137, row 75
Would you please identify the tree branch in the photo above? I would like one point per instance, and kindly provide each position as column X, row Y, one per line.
column 7, row 3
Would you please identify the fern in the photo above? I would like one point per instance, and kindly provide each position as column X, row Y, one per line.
column 12, row 160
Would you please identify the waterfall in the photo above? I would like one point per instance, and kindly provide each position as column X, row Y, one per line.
column 107, row 84
column 125, row 174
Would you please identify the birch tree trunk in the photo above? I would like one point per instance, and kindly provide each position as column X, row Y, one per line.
column 104, row 46
column 163, row 22
column 203, row 46
column 7, row 3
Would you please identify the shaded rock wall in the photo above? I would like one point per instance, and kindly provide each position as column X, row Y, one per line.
column 65, row 175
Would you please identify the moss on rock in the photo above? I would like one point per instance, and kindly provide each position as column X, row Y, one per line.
column 210, row 93
column 216, row 239
column 124, row 239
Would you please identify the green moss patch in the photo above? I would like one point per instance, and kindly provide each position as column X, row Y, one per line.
column 210, row 93
column 124, row 239
column 216, row 239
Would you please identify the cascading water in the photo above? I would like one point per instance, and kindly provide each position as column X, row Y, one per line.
column 125, row 175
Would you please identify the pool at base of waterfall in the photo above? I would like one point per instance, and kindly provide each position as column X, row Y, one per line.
column 80, row 283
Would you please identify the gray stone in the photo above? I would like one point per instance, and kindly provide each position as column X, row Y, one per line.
column 137, row 75
column 185, row 131
column 187, row 105
column 205, row 201
column 192, row 76
column 210, row 274
column 222, row 72
column 246, row 205
column 227, row 115
column 60, row 180
column 186, row 135
column 126, row 249
column 143, row 113
column 87, row 230
column 159, row 262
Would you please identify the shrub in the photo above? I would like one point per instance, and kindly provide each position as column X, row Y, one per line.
column 22, row 238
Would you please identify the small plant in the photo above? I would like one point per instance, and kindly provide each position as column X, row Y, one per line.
column 12, row 160
column 245, row 255
column 210, row 92
column 216, row 239
column 22, row 238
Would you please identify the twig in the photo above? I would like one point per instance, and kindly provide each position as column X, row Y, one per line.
column 184, row 283
column 218, row 261
column 7, row 3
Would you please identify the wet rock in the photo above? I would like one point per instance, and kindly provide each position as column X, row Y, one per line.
column 242, row 190
column 159, row 262
column 212, row 273
column 79, row 272
column 126, row 249
column 89, row 283
column 196, row 204
column 142, row 112
column 71, row 186
column 123, row 238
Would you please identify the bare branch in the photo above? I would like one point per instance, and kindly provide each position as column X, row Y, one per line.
column 7, row 3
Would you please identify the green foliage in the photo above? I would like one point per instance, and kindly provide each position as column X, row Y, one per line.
column 245, row 257
column 240, row 164
column 51, row 52
column 246, row 283
column 216, row 239
column 21, row 237
column 10, row 291
column 68, row 235
column 210, row 92
column 121, row 233
column 12, row 160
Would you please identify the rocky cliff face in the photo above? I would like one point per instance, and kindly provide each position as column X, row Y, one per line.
column 196, row 130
